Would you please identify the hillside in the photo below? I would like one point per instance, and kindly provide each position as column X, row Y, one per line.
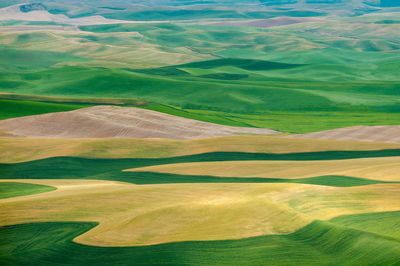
column 118, row 122
column 200, row 132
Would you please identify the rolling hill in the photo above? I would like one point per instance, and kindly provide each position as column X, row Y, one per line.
column 185, row 132
column 119, row 122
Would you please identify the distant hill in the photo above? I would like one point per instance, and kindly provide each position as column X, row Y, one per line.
column 32, row 7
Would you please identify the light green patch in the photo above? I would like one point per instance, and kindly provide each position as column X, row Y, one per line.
column 15, row 189
column 356, row 98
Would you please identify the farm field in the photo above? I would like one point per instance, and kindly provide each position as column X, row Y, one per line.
column 253, row 132
column 278, row 212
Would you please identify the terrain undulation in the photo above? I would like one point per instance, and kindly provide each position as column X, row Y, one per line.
column 254, row 132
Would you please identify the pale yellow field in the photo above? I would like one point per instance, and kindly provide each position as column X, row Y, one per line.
column 117, row 54
column 25, row 149
column 386, row 169
column 142, row 215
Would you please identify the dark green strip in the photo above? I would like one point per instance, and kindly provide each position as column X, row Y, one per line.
column 143, row 178
column 111, row 169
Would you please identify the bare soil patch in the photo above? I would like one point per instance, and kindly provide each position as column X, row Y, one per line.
column 118, row 122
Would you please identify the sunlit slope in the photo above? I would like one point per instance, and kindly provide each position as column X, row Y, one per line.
column 160, row 213
column 363, row 222
column 316, row 75
column 58, row 47
column 295, row 121
column 341, row 245
column 28, row 60
column 171, row 90
column 28, row 149
column 178, row 212
column 259, row 103
column 373, row 168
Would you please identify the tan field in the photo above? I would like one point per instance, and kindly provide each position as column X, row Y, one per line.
column 357, row 133
column 152, row 214
column 119, row 55
column 25, row 149
column 385, row 169
column 118, row 122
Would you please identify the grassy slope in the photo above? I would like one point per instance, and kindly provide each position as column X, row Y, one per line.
column 100, row 83
column 287, row 121
column 292, row 78
column 165, row 213
column 280, row 105
column 12, row 108
column 160, row 213
column 330, row 242
column 14, row 189
column 243, row 96
column 28, row 60
column 66, row 100
column 362, row 222
column 87, row 49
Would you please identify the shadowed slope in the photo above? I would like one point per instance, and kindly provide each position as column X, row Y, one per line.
column 12, row 109
column 142, row 178
column 119, row 122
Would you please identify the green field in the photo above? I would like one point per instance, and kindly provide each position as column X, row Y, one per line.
column 287, row 121
column 279, row 105
column 295, row 78
column 12, row 108
column 13, row 189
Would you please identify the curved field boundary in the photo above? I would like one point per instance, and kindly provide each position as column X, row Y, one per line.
column 142, row 178
column 338, row 241
column 383, row 168
column 16, row 150
column 111, row 169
